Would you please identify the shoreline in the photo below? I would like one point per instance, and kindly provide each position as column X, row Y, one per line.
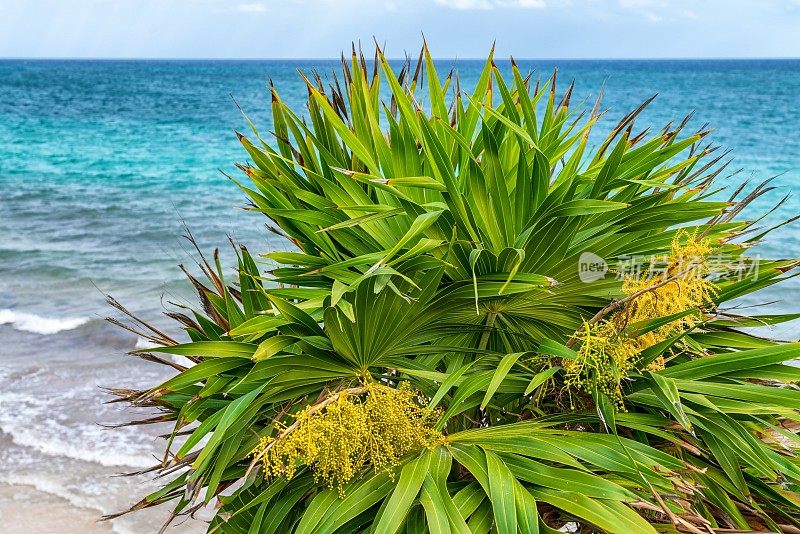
column 24, row 509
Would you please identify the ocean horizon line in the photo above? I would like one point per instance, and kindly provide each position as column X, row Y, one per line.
column 271, row 59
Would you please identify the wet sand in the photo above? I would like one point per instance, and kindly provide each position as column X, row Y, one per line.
column 25, row 510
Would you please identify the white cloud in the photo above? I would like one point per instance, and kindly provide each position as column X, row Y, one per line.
column 255, row 7
column 537, row 4
column 491, row 4
column 466, row 4
column 657, row 10
column 642, row 3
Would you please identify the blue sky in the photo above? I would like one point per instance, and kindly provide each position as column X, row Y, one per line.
column 454, row 28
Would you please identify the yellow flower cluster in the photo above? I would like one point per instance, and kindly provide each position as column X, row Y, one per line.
column 687, row 267
column 375, row 426
column 607, row 354
column 604, row 358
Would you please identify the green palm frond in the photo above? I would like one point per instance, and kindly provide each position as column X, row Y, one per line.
column 437, row 240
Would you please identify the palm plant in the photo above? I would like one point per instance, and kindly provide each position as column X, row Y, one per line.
column 430, row 358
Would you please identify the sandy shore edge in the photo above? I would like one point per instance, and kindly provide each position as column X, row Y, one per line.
column 26, row 510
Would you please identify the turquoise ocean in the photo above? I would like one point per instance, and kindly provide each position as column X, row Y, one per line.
column 102, row 163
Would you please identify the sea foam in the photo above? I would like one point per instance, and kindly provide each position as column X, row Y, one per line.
column 37, row 324
column 30, row 424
